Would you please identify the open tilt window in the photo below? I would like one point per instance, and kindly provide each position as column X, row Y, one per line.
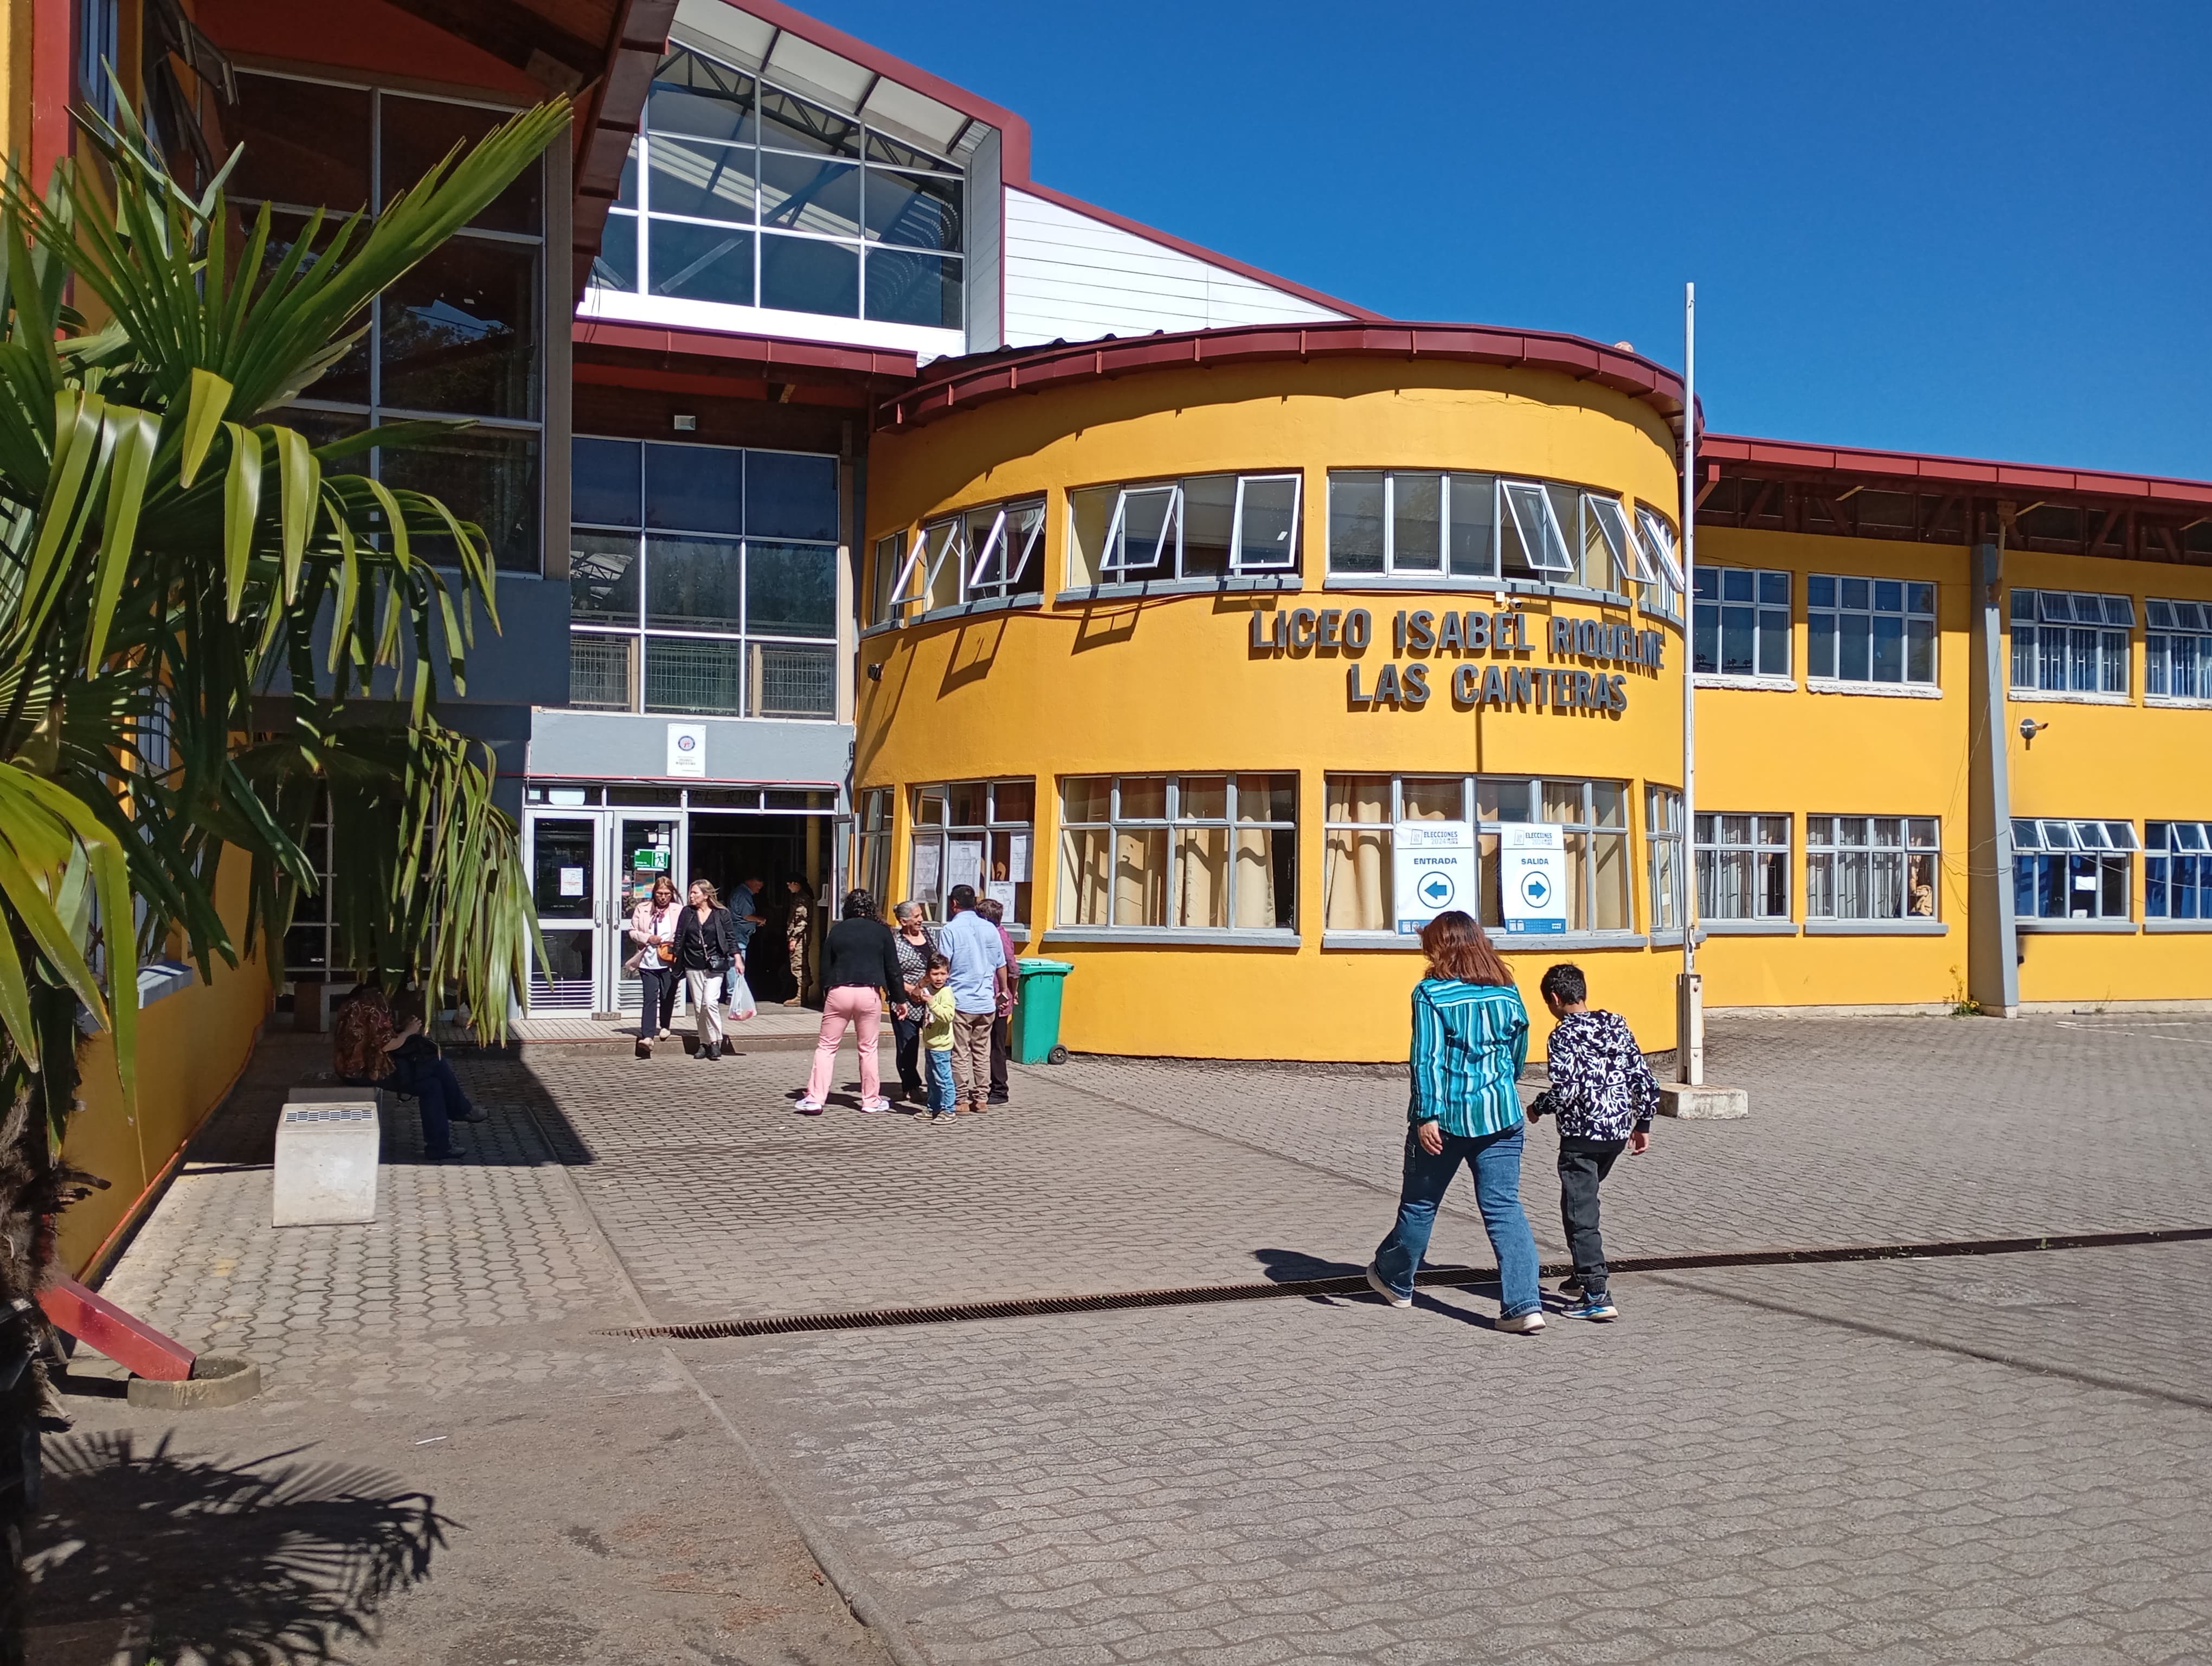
column 1605, row 525
column 1008, row 543
column 1533, row 524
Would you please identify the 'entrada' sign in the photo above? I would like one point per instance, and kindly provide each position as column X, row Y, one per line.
column 1297, row 631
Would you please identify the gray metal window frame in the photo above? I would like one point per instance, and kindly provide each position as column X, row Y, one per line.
column 1833, row 851
column 1172, row 822
column 1904, row 614
column 1760, row 850
column 2026, row 628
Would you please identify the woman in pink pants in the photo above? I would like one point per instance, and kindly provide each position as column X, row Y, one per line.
column 859, row 967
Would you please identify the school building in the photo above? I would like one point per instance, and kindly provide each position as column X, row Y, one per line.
column 869, row 509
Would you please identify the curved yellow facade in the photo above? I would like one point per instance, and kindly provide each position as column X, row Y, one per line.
column 1086, row 684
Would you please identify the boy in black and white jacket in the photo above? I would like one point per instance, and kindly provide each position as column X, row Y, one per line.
column 1603, row 1093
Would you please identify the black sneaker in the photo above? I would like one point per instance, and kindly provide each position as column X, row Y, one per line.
column 448, row 1155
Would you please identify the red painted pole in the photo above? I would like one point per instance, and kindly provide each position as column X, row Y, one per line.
column 100, row 1323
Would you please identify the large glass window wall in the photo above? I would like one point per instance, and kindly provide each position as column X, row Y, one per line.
column 703, row 579
column 742, row 194
column 461, row 334
column 1363, row 813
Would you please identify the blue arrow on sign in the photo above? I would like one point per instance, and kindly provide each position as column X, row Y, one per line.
column 1436, row 888
column 1534, row 889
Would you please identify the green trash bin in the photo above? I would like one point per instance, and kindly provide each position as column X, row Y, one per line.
column 1036, row 1016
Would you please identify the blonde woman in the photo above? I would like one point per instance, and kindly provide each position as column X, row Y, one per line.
column 706, row 948
column 653, row 930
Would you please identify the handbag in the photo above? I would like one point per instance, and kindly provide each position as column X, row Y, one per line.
column 740, row 993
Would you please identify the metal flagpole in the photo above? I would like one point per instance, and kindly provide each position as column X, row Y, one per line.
column 1690, row 1006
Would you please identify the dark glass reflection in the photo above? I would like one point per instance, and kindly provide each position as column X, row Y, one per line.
column 603, row 577
column 802, row 276
column 913, row 211
column 791, row 590
column 604, row 482
column 486, row 476
column 694, row 489
column 346, row 382
column 788, row 495
column 801, row 193
column 701, row 263
column 908, row 288
column 460, row 332
column 417, row 133
column 693, row 94
column 615, row 266
column 306, row 142
column 693, row 584
column 706, row 181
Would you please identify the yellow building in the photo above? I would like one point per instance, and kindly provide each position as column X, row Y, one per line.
column 1227, row 657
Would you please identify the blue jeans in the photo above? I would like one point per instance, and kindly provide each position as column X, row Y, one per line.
column 1496, row 1160
column 941, row 1092
column 437, row 1093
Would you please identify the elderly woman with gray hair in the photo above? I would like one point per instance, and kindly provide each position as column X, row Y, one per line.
column 909, row 1006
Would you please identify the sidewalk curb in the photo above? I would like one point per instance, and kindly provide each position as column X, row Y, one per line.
column 853, row 1587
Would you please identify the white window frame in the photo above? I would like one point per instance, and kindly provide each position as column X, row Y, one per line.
column 1000, row 539
column 1174, row 822
column 1166, row 562
column 1289, row 562
column 2167, row 628
column 1836, row 849
column 1904, row 614
column 895, row 606
column 1759, row 672
column 1515, row 494
column 1663, row 857
column 1659, row 539
column 1612, row 520
column 1758, row 848
column 2109, row 653
column 2105, row 841
column 2168, row 844
column 1112, row 570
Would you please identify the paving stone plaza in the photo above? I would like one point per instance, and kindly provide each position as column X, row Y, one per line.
column 1987, row 1456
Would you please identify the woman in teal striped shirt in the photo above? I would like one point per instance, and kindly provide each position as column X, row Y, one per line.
column 1470, row 1040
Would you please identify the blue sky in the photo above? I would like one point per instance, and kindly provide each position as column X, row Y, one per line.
column 1978, row 229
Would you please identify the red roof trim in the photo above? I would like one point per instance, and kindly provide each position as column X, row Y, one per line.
column 761, row 354
column 954, row 383
column 1959, row 471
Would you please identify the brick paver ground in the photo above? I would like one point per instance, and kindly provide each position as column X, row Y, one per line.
column 1992, row 1458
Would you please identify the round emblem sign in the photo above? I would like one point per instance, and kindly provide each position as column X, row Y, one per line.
column 1535, row 890
column 687, row 742
column 1435, row 891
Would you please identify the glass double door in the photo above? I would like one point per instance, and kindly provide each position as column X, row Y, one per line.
column 589, row 868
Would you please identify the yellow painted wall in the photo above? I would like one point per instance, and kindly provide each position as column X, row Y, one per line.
column 192, row 1046
column 2130, row 761
column 1807, row 753
column 1166, row 684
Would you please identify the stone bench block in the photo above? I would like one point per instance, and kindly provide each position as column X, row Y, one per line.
column 1702, row 1104
column 328, row 1142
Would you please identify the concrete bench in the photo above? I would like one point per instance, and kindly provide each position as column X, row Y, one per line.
column 329, row 1143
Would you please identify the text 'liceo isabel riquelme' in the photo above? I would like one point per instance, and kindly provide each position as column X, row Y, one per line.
column 1297, row 632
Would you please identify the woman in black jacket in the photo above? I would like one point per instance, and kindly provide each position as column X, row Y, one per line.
column 706, row 948
column 859, row 967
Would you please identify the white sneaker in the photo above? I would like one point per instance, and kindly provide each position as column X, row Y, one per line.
column 872, row 1106
column 809, row 1107
column 1374, row 1283
column 1523, row 1324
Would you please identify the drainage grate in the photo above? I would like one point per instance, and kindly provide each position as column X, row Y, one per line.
column 1356, row 1284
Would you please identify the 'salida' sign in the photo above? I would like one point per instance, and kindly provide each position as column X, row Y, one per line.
column 1303, row 632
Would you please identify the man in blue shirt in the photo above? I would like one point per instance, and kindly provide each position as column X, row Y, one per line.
column 972, row 944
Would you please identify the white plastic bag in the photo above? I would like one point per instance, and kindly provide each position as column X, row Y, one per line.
column 741, row 1003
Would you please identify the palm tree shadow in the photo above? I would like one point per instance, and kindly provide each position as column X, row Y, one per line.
column 262, row 1563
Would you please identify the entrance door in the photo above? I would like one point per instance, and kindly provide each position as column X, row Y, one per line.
column 645, row 844
column 566, row 858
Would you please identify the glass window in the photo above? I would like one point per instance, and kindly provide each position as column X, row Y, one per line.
column 1205, row 527
column 682, row 614
column 1871, row 867
column 1655, row 536
column 978, row 833
column 1190, row 853
column 1870, row 630
column 1663, row 833
column 2178, row 870
column 872, row 846
column 1743, row 867
column 753, row 196
column 2070, row 641
column 462, row 333
column 1741, row 627
column 2178, row 650
column 1360, row 813
column 2080, row 870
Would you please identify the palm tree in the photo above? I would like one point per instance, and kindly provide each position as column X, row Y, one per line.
column 166, row 554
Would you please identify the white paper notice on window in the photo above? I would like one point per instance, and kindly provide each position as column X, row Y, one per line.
column 1017, row 857
column 1001, row 891
column 928, row 857
column 965, row 863
column 572, row 882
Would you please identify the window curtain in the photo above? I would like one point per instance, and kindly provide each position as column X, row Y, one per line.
column 1255, row 878
column 1202, row 877
column 1140, row 877
column 1085, row 877
column 1356, row 884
